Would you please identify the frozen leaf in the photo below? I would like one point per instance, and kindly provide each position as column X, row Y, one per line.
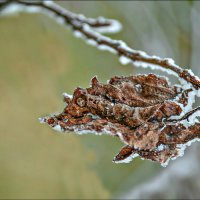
column 136, row 109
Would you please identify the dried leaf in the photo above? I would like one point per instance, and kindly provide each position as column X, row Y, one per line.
column 136, row 109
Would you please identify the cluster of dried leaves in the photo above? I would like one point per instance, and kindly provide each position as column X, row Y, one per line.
column 143, row 111
column 136, row 109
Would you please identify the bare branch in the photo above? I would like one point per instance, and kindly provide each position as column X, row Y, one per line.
column 67, row 16
column 194, row 112
column 88, row 28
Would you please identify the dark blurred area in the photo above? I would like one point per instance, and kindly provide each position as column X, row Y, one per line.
column 40, row 59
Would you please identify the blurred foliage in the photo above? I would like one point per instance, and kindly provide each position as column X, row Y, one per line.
column 39, row 60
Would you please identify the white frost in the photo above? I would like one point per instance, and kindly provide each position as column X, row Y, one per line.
column 42, row 120
column 113, row 28
column 188, row 107
column 192, row 74
column 106, row 48
column 181, row 147
column 57, row 128
column 78, row 34
column 170, row 61
column 124, row 60
column 154, row 67
column 91, row 42
column 193, row 118
column 14, row 9
column 161, row 147
column 128, row 159
column 138, row 88
column 165, row 163
column 67, row 95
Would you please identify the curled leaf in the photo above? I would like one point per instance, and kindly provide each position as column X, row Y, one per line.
column 136, row 109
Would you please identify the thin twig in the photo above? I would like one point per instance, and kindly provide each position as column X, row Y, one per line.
column 59, row 11
column 186, row 116
column 85, row 27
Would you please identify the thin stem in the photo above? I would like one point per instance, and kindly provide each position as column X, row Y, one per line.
column 59, row 11
column 186, row 116
column 86, row 28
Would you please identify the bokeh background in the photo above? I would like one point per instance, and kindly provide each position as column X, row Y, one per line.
column 40, row 59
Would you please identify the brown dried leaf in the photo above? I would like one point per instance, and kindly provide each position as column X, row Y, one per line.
column 136, row 109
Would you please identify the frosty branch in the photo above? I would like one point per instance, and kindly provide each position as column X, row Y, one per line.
column 156, row 121
column 67, row 16
column 86, row 28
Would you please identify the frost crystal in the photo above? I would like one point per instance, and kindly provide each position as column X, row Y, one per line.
column 124, row 60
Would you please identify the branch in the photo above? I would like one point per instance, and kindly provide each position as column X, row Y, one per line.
column 90, row 28
column 68, row 17
column 193, row 113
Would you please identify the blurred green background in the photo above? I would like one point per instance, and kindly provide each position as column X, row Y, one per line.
column 40, row 59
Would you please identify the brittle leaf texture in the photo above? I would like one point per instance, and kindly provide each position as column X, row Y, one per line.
column 136, row 109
